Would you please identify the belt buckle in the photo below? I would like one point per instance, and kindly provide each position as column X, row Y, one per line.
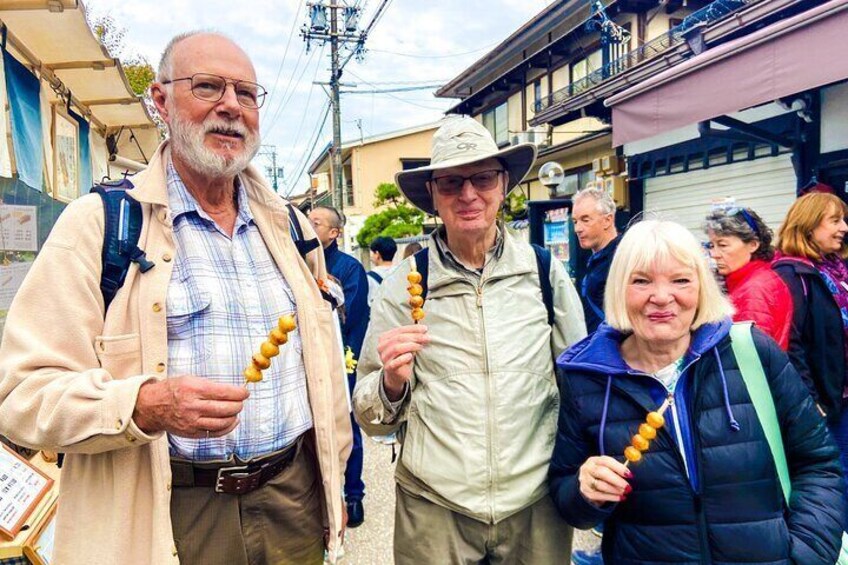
column 222, row 470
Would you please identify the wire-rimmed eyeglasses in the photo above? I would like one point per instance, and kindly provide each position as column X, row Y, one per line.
column 211, row 88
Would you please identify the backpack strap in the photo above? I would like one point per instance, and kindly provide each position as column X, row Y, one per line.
column 304, row 246
column 375, row 276
column 543, row 263
column 122, row 229
column 751, row 368
column 422, row 264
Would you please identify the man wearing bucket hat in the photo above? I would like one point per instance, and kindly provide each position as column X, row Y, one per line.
column 471, row 390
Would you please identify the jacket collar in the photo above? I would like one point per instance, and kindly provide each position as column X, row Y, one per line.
column 151, row 184
column 738, row 276
column 599, row 353
column 514, row 259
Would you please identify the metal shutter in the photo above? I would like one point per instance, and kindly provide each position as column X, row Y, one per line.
column 766, row 185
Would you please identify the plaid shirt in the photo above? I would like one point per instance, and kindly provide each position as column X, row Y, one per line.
column 224, row 297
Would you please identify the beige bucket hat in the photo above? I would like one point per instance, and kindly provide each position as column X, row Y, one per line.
column 463, row 141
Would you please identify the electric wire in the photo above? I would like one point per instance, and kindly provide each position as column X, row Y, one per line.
column 285, row 54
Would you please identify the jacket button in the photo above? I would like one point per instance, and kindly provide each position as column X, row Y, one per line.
column 168, row 485
column 157, row 307
column 174, row 550
column 166, row 257
column 130, row 438
column 119, row 424
column 160, row 368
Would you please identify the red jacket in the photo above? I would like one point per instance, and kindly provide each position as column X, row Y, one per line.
column 761, row 296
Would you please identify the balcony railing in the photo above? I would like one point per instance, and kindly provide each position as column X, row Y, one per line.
column 675, row 36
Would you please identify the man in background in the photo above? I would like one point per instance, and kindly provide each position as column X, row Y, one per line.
column 328, row 223
column 593, row 215
column 383, row 250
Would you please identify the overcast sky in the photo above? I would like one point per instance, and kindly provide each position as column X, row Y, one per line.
column 414, row 42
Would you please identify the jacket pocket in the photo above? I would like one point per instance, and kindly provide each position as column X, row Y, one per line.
column 119, row 355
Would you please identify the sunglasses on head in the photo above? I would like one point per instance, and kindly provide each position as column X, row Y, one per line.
column 749, row 219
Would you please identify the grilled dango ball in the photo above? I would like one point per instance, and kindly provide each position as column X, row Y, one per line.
column 655, row 420
column 287, row 323
column 415, row 289
column 418, row 314
column 632, row 454
column 647, row 432
column 414, row 277
column 252, row 374
column 639, row 442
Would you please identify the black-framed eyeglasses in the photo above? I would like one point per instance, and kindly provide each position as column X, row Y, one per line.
column 749, row 219
column 483, row 181
column 211, row 88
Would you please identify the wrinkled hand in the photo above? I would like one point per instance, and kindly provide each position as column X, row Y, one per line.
column 602, row 480
column 188, row 406
column 397, row 348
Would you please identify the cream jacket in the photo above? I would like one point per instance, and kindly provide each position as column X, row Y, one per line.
column 479, row 422
column 69, row 380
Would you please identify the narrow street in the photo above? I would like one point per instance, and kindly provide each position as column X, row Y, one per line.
column 371, row 543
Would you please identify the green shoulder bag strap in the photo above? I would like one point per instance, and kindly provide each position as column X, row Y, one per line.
column 751, row 368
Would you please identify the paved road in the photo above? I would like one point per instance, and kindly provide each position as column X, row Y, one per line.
column 371, row 543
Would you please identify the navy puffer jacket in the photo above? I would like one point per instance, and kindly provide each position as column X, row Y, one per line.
column 729, row 509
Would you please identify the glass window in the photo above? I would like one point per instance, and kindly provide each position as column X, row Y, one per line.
column 496, row 121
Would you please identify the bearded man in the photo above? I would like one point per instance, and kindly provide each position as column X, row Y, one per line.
column 169, row 457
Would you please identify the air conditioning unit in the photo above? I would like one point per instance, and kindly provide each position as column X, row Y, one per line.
column 536, row 136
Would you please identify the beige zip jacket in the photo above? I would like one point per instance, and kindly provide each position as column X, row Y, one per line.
column 479, row 422
column 69, row 380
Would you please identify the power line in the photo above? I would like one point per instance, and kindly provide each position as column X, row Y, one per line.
column 304, row 162
column 285, row 53
column 286, row 100
column 398, row 98
column 387, row 90
column 417, row 56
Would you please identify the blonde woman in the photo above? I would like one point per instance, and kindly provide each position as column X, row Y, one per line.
column 707, row 490
column 811, row 260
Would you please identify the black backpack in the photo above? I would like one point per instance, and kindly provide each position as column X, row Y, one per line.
column 123, row 228
column 543, row 263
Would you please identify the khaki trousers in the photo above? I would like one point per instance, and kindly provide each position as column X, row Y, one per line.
column 429, row 534
column 278, row 523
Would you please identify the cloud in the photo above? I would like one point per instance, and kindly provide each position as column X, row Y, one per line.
column 420, row 41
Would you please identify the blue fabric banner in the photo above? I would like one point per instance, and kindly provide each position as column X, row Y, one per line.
column 84, row 155
column 23, row 91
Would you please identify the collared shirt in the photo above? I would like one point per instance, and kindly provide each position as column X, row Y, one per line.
column 225, row 295
column 451, row 260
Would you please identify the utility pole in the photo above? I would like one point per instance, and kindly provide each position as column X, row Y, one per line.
column 335, row 74
column 339, row 37
column 274, row 172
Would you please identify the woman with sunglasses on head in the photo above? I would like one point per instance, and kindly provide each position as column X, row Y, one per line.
column 740, row 245
column 811, row 259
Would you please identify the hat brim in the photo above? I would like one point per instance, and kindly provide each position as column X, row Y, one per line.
column 518, row 159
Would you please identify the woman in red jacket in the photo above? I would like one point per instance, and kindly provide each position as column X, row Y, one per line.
column 740, row 244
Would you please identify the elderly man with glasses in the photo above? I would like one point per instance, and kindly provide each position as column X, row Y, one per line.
column 471, row 390
column 170, row 456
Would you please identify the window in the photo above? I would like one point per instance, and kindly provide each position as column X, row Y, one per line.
column 580, row 69
column 496, row 121
column 348, row 194
column 537, row 93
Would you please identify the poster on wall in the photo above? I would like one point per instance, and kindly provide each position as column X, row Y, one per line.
column 18, row 228
column 65, row 152
column 11, row 278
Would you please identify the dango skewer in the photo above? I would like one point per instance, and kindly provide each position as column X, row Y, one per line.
column 641, row 441
column 269, row 349
column 416, row 291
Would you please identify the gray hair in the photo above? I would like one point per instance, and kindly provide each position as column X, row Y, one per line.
column 722, row 223
column 166, row 63
column 603, row 201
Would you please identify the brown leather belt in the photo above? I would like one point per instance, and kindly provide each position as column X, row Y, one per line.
column 231, row 477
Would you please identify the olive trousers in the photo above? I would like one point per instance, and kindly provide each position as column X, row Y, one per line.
column 429, row 534
column 279, row 523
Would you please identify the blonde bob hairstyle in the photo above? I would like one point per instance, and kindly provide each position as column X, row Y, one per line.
column 795, row 237
column 652, row 244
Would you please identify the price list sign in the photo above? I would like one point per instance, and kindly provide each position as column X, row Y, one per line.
column 21, row 488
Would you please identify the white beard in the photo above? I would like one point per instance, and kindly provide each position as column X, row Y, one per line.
column 188, row 142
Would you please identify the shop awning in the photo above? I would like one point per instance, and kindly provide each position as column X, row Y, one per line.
column 53, row 36
column 796, row 54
